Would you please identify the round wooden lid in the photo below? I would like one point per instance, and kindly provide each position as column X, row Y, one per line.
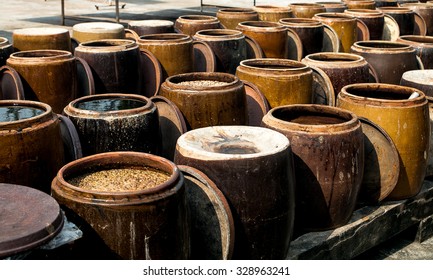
column 29, row 218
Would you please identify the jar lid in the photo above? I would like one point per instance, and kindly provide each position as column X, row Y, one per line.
column 151, row 67
column 11, row 86
column 212, row 225
column 204, row 57
column 29, row 218
column 257, row 104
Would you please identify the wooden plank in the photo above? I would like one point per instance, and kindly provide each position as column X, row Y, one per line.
column 368, row 227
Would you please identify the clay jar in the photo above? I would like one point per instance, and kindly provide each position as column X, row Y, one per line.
column 405, row 18
column 361, row 4
column 333, row 7
column 190, row 24
column 207, row 99
column 238, row 160
column 310, row 32
column 31, row 149
column 425, row 10
column 385, row 55
column 374, row 20
column 282, row 81
column 342, row 68
column 344, row 25
column 306, row 10
column 92, row 31
column 150, row 223
column 48, row 76
column 173, row 51
column 231, row 17
column 151, row 26
column 273, row 13
column 328, row 148
column 271, row 36
column 41, row 38
column 114, row 64
column 115, row 122
column 405, row 119
column 6, row 49
column 229, row 47
column 423, row 46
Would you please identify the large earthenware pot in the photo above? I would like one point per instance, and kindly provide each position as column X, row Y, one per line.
column 173, row 51
column 115, row 122
column 389, row 59
column 231, row 17
column 346, row 27
column 425, row 10
column 142, row 217
column 342, row 68
column 282, row 81
column 48, row 76
column 229, row 47
column 190, row 24
column 114, row 63
column 273, row 13
column 253, row 168
column 207, row 99
column 91, row 31
column 6, row 49
column 271, row 36
column 374, row 20
column 423, row 46
column 31, row 149
column 306, row 10
column 41, row 38
column 405, row 18
column 404, row 114
column 328, row 148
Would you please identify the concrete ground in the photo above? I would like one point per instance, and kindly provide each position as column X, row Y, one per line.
column 18, row 14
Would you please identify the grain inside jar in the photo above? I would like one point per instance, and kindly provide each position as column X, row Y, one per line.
column 203, row 83
column 120, row 179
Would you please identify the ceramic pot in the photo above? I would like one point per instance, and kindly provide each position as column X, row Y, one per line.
column 148, row 223
column 207, row 99
column 386, row 3
column 115, row 122
column 306, row 10
column 346, row 27
column 425, row 10
column 92, row 31
column 271, row 36
column 238, row 160
column 405, row 18
column 190, row 24
column 328, row 148
column 333, row 7
column 361, row 4
column 423, row 46
column 173, row 51
column 404, row 118
column 231, row 17
column 151, row 26
column 41, row 38
column 282, row 81
column 342, row 68
column 48, row 76
column 385, row 55
column 6, row 49
column 229, row 47
column 105, row 55
column 31, row 149
column 272, row 13
column 374, row 20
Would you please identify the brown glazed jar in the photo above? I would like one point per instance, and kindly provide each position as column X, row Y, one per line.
column 386, row 55
column 48, row 76
column 231, row 17
column 405, row 118
column 31, row 148
column 148, row 223
column 423, row 46
column 114, row 64
column 273, row 13
column 425, row 10
column 41, row 38
column 253, row 168
column 115, row 122
column 404, row 16
column 328, row 148
column 190, row 24
column 207, row 99
column 306, row 10
column 374, row 19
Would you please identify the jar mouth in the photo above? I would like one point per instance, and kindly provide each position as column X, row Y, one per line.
column 218, row 34
column 231, row 142
column 264, row 8
column 309, row 5
column 335, row 58
column 33, row 112
column 364, row 12
column 108, row 44
column 262, row 24
column 379, row 45
column 112, row 160
column 164, row 37
column 314, row 118
column 198, row 18
column 331, row 16
column 396, row 10
column 237, row 10
column 385, row 93
column 202, row 80
column 418, row 39
column 300, row 22
column 41, row 54
column 275, row 64
column 109, row 104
